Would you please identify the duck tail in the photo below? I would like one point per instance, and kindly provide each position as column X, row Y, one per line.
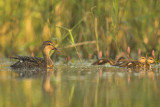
column 13, row 57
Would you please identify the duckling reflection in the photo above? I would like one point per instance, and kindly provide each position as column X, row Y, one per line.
column 151, row 75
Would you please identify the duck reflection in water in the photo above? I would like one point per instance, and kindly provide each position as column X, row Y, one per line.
column 46, row 84
column 46, row 74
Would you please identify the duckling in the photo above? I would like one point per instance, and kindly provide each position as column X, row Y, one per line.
column 103, row 61
column 134, row 64
column 108, row 60
column 150, row 60
column 120, row 61
column 36, row 62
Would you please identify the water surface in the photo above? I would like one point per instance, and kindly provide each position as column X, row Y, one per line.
column 79, row 85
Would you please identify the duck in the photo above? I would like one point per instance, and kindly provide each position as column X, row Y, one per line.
column 134, row 63
column 120, row 61
column 103, row 61
column 112, row 62
column 150, row 60
column 30, row 62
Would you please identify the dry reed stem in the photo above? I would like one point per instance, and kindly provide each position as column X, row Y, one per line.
column 79, row 44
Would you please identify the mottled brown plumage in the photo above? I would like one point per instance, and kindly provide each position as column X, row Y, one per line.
column 107, row 60
column 36, row 62
column 120, row 61
column 103, row 61
column 134, row 64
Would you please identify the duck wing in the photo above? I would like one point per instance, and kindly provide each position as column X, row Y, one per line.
column 28, row 62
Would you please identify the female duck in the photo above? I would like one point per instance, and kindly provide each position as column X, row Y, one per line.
column 35, row 62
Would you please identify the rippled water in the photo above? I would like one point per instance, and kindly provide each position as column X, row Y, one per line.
column 79, row 85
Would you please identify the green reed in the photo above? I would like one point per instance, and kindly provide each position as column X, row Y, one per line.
column 115, row 25
column 72, row 39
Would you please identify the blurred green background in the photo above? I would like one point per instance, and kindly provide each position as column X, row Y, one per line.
column 110, row 25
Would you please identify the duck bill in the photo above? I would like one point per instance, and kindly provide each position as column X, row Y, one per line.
column 56, row 49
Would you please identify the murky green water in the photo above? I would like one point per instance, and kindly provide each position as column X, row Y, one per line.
column 78, row 85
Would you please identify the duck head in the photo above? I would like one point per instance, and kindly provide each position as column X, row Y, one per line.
column 142, row 59
column 47, row 46
column 150, row 60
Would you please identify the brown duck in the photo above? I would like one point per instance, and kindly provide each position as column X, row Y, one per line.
column 36, row 62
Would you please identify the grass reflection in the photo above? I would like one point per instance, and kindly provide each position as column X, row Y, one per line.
column 81, row 87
